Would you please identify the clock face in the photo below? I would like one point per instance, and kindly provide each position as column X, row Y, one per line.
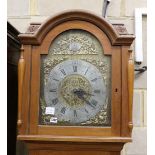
column 75, row 82
column 75, row 90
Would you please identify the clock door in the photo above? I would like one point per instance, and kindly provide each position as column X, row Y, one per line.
column 77, row 76
column 75, row 82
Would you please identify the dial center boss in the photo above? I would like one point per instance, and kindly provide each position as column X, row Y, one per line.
column 70, row 86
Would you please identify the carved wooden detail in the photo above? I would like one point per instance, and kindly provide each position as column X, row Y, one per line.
column 130, row 86
column 120, row 28
column 21, row 70
column 33, row 28
column 114, row 37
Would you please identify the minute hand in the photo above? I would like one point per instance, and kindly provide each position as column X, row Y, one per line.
column 85, row 93
column 82, row 98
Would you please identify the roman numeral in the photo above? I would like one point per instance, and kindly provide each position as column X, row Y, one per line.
column 93, row 80
column 55, row 101
column 63, row 110
column 97, row 91
column 86, row 71
column 53, row 90
column 75, row 113
column 63, row 71
column 94, row 102
column 75, row 68
column 86, row 110
column 55, row 79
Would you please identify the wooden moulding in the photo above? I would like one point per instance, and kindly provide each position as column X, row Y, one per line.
column 37, row 37
column 125, row 132
column 130, row 86
column 51, row 144
column 73, row 138
column 77, row 148
column 21, row 70
column 76, row 24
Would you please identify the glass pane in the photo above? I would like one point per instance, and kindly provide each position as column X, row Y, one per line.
column 75, row 82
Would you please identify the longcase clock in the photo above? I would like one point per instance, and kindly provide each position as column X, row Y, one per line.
column 75, row 86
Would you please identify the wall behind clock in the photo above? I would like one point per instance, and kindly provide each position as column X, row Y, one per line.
column 22, row 12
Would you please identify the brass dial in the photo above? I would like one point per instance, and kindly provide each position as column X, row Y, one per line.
column 75, row 81
column 80, row 92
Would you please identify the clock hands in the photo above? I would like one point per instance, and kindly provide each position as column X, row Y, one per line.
column 80, row 94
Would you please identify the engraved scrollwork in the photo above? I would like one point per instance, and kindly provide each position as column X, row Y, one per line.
column 45, row 118
column 48, row 64
column 75, row 43
column 103, row 67
column 74, row 82
column 101, row 118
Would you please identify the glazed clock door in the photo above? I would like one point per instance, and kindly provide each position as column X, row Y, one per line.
column 75, row 94
column 75, row 82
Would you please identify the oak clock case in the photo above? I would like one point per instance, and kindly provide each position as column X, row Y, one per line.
column 75, row 81
column 75, row 86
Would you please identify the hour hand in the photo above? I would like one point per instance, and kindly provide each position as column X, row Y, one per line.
column 87, row 102
column 80, row 96
column 78, row 92
column 81, row 92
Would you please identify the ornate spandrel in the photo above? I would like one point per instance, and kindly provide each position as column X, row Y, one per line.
column 75, row 42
